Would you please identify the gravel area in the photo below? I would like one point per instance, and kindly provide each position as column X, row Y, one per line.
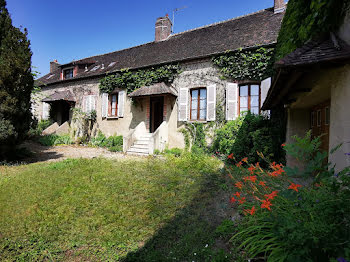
column 57, row 153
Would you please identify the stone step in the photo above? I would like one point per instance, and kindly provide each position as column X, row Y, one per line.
column 143, row 146
column 138, row 150
column 142, row 142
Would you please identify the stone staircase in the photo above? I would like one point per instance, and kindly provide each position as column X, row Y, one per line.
column 141, row 146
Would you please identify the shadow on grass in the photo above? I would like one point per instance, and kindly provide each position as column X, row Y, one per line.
column 38, row 153
column 191, row 235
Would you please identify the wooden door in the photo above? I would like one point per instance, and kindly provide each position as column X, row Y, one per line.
column 157, row 105
column 320, row 121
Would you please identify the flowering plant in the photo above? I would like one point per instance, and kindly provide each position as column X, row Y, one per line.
column 286, row 220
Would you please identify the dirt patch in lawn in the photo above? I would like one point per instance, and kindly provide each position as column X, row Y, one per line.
column 42, row 153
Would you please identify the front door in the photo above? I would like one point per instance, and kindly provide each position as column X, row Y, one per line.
column 157, row 104
column 320, row 120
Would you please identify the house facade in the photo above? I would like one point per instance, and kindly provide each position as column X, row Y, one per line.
column 152, row 116
column 313, row 84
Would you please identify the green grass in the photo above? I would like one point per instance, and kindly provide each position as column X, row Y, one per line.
column 104, row 210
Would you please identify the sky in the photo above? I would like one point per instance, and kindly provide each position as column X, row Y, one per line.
column 69, row 30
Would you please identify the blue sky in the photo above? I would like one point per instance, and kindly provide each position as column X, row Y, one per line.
column 68, row 30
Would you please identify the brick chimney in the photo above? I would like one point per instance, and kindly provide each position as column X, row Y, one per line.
column 54, row 65
column 163, row 28
column 279, row 6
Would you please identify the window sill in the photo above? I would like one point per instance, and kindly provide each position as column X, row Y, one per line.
column 197, row 121
column 112, row 117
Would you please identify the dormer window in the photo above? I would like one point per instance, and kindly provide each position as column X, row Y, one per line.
column 68, row 73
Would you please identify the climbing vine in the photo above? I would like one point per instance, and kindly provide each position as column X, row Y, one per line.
column 133, row 79
column 242, row 64
column 305, row 20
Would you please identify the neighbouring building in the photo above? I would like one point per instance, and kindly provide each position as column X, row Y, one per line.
column 152, row 116
column 313, row 84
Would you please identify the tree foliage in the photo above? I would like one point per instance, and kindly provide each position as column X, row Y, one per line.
column 306, row 19
column 16, row 82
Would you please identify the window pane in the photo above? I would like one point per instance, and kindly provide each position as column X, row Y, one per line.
column 194, row 94
column 194, row 104
column 319, row 118
column 243, row 91
column 254, row 101
column 327, row 116
column 203, row 104
column 113, row 111
column 194, row 114
column 203, row 114
column 203, row 93
column 254, row 90
column 312, row 119
column 114, row 98
column 254, row 110
column 244, row 102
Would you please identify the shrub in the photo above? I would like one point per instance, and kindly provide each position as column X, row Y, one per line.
column 286, row 221
column 248, row 134
column 174, row 151
column 113, row 143
column 53, row 139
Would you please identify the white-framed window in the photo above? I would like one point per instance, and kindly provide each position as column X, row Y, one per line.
column 112, row 105
column 197, row 103
column 249, row 98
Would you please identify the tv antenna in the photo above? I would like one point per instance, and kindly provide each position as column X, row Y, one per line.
column 174, row 11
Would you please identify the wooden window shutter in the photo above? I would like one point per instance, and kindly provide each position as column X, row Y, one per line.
column 104, row 105
column 265, row 86
column 211, row 102
column 183, row 104
column 46, row 110
column 231, row 101
column 121, row 103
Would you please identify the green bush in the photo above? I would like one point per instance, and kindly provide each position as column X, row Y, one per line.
column 51, row 140
column 173, row 151
column 43, row 124
column 113, row 143
column 285, row 221
column 248, row 134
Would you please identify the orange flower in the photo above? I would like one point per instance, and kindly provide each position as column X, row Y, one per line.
column 262, row 183
column 250, row 211
column 294, row 187
column 257, row 165
column 283, row 145
column 251, row 169
column 266, row 204
column 253, row 179
column 230, row 156
column 233, row 200
column 271, row 196
column 239, row 164
column 238, row 194
column 245, row 159
column 239, row 185
column 242, row 200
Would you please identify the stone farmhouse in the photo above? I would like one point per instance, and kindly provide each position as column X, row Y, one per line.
column 161, row 110
column 313, row 84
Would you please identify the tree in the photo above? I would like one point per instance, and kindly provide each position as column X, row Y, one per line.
column 16, row 82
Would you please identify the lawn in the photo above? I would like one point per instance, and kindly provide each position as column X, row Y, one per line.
column 104, row 210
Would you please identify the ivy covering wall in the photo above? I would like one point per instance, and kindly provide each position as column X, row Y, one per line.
column 133, row 79
column 243, row 64
column 306, row 19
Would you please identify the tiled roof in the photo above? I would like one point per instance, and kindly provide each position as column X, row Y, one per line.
column 323, row 50
column 257, row 29
column 62, row 95
column 155, row 89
